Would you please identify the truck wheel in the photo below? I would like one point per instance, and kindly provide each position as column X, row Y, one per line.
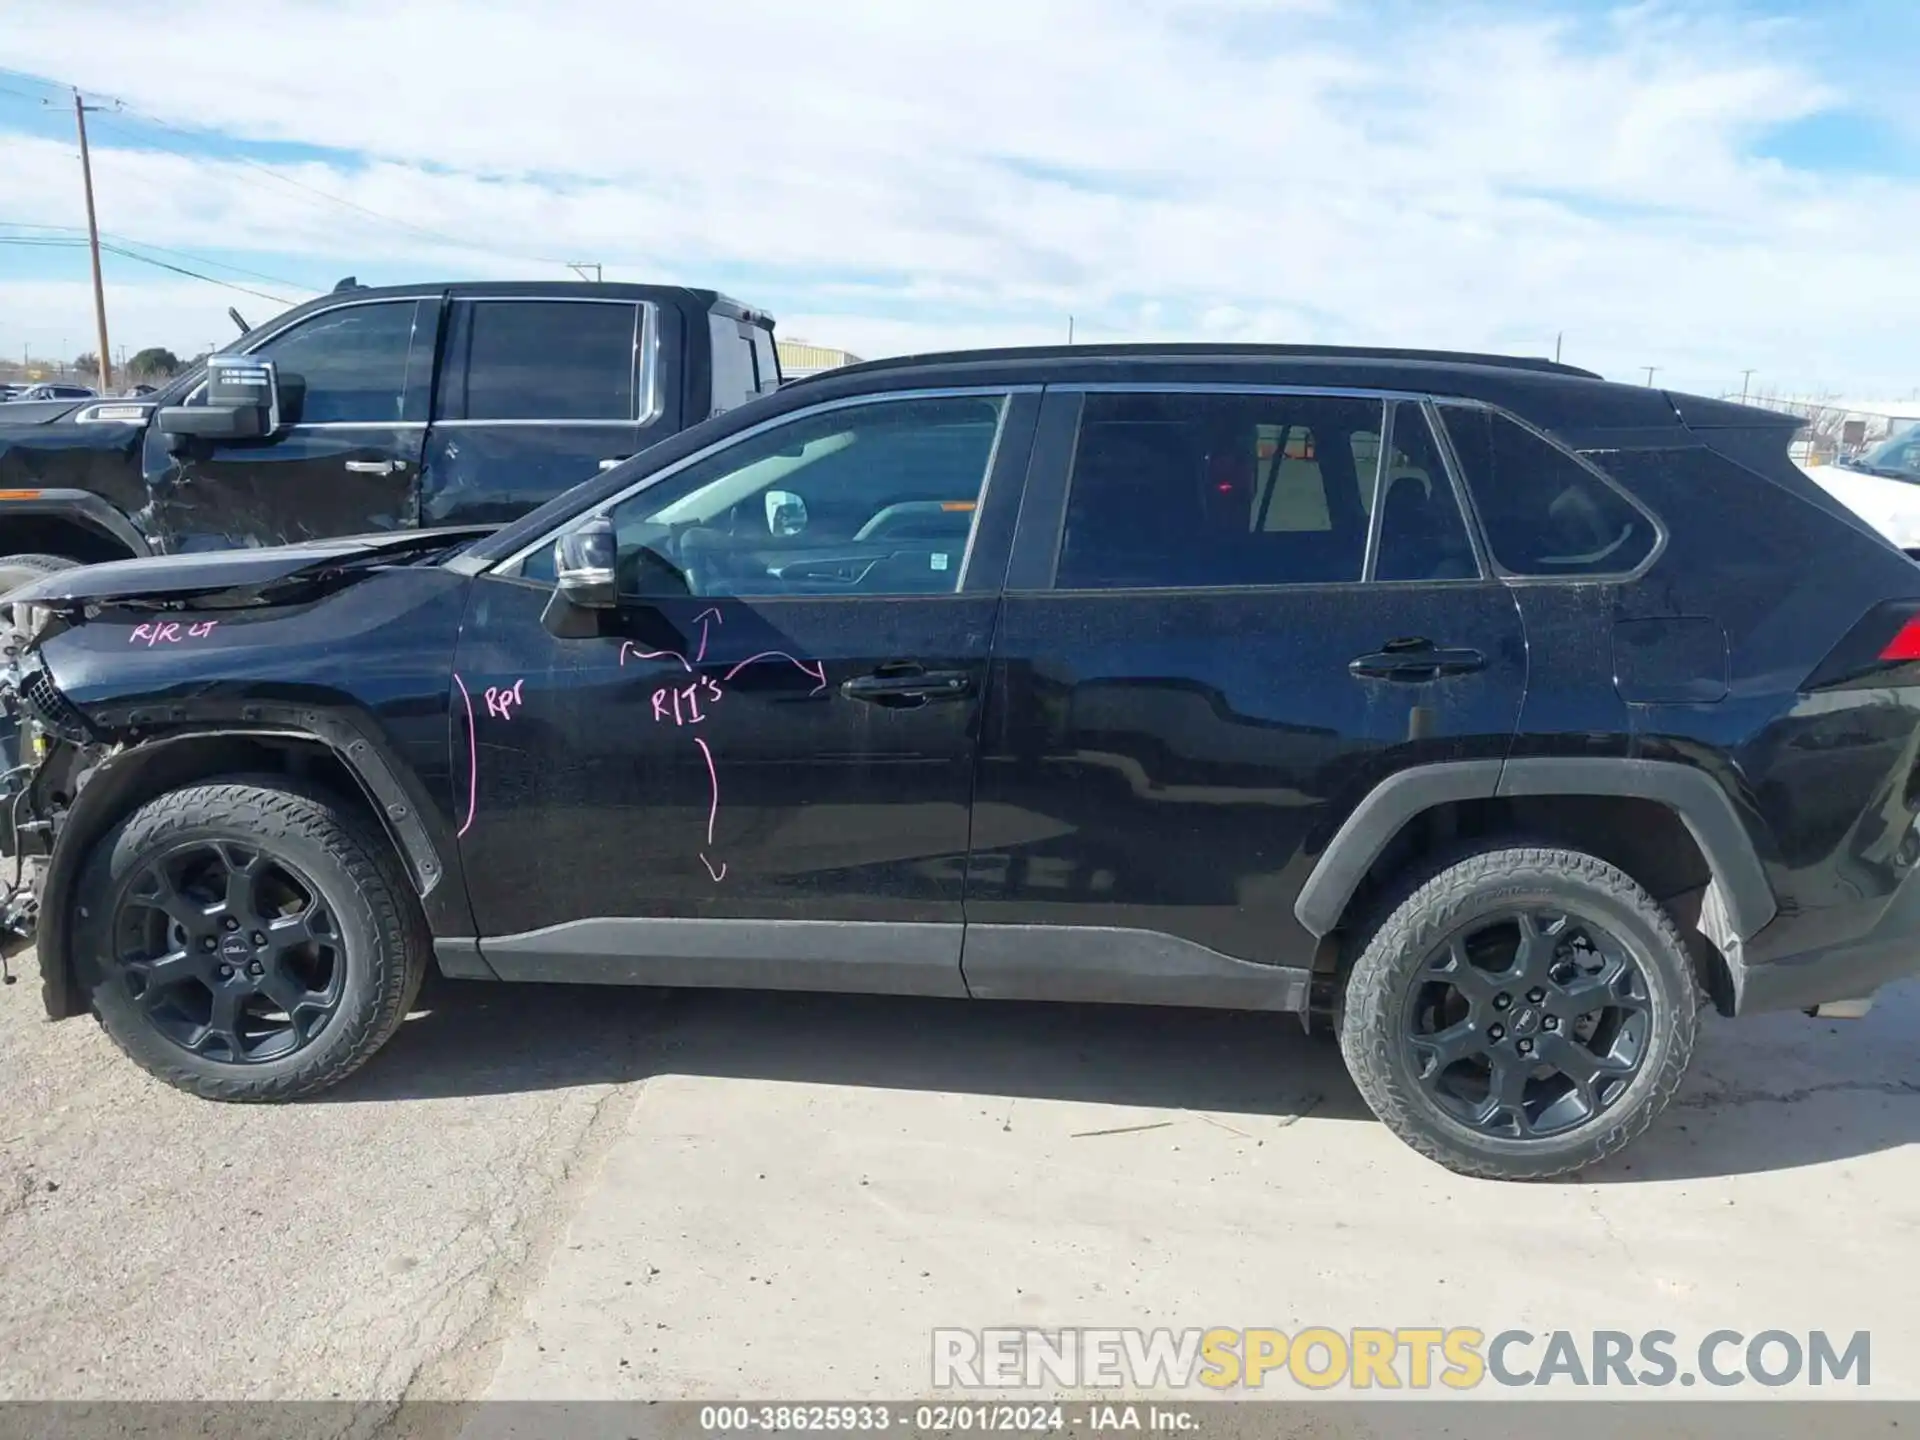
column 1519, row 1012
column 248, row 941
column 17, row 570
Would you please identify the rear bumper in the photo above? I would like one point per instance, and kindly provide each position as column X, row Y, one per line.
column 1852, row 970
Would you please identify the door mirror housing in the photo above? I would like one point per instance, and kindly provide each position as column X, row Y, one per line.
column 243, row 402
column 584, row 579
column 786, row 513
column 583, row 564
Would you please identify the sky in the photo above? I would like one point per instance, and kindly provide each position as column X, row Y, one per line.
column 1706, row 187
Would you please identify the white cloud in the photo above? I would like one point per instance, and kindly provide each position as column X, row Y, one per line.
column 890, row 176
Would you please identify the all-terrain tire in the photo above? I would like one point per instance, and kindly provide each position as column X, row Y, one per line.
column 18, row 570
column 378, row 919
column 1433, row 904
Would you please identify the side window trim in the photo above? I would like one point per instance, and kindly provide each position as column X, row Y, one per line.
column 1450, row 467
column 646, row 404
column 1370, row 557
column 1462, row 495
column 510, row 566
column 1634, row 502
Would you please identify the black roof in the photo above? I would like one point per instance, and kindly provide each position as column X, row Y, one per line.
column 683, row 297
column 1204, row 351
column 1577, row 405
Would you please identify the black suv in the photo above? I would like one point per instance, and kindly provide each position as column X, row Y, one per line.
column 1488, row 713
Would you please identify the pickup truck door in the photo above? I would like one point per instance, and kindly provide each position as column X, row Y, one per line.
column 347, row 464
column 537, row 394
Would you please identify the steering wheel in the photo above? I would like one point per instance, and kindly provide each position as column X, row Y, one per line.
column 916, row 520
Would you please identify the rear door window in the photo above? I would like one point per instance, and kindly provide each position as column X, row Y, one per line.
column 1422, row 533
column 545, row 360
column 1200, row 491
column 1544, row 512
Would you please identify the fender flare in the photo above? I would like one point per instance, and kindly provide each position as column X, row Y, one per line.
column 83, row 507
column 105, row 795
column 1702, row 805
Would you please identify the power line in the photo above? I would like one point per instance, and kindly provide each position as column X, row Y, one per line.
column 194, row 274
column 270, row 173
column 168, row 250
column 53, row 243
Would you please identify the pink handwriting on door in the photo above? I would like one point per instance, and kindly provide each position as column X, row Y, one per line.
column 681, row 704
column 169, row 632
column 691, row 703
column 503, row 701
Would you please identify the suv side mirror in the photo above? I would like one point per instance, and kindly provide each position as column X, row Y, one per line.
column 583, row 566
column 786, row 513
column 243, row 402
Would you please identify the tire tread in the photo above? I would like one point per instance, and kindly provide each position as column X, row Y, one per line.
column 1413, row 916
column 276, row 808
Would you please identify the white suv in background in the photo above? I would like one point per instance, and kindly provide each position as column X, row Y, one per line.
column 1881, row 485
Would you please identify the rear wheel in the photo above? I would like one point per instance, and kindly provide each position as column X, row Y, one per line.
column 248, row 942
column 18, row 570
column 1520, row 1013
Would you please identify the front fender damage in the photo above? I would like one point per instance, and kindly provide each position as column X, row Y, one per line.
column 48, row 750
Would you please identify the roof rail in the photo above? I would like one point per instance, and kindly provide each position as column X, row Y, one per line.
column 1201, row 351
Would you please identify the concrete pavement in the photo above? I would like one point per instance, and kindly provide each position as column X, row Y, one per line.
column 559, row 1192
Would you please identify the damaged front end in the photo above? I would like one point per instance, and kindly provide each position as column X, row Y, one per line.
column 47, row 748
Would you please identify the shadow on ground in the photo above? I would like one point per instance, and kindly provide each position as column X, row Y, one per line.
column 1777, row 1094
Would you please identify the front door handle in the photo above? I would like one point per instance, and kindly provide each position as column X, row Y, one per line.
column 904, row 688
column 373, row 467
column 613, row 460
column 1416, row 662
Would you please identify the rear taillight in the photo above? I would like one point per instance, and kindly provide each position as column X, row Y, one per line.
column 1882, row 649
column 1905, row 644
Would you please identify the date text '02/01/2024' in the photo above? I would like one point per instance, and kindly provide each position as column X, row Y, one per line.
column 683, row 705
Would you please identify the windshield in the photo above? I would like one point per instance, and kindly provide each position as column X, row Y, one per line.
column 1899, row 453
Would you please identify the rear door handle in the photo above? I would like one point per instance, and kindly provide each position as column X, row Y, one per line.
column 906, row 689
column 1416, row 666
column 373, row 467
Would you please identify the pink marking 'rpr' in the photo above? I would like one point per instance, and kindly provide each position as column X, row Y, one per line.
column 473, row 758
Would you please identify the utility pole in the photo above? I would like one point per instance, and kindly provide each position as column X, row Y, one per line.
column 105, row 376
column 581, row 267
column 1650, row 369
column 1069, row 329
column 1745, row 376
column 1561, row 335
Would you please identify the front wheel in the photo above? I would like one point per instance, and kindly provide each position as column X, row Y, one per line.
column 248, row 941
column 1520, row 1012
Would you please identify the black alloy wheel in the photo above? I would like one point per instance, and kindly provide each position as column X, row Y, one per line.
column 1518, row 1010
column 231, row 951
column 1527, row 1022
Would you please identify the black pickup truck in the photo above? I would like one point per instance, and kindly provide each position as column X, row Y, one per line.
column 376, row 409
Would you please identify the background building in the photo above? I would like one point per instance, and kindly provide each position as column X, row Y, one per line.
column 802, row 357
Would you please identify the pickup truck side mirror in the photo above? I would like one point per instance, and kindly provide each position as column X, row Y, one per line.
column 243, row 402
column 584, row 579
